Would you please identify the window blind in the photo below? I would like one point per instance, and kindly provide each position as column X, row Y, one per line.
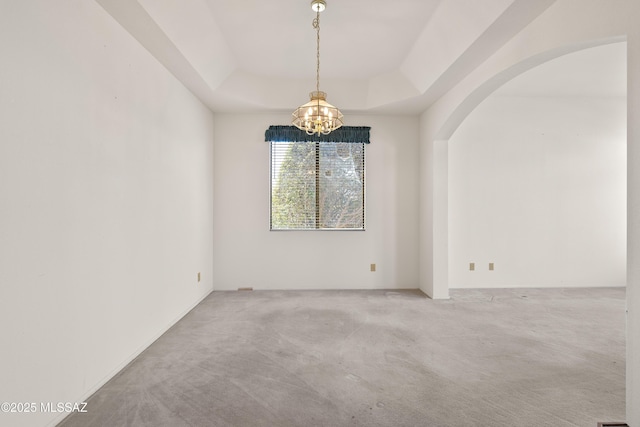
column 317, row 185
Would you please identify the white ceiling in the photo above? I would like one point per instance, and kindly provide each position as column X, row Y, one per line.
column 376, row 56
column 359, row 38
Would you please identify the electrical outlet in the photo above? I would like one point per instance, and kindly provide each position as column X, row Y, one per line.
column 490, row 266
column 373, row 267
column 472, row 266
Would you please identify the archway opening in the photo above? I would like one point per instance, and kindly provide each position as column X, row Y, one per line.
column 537, row 178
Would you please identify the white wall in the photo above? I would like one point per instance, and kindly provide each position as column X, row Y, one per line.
column 247, row 254
column 106, row 188
column 537, row 185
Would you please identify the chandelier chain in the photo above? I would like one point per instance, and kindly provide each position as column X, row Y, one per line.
column 316, row 25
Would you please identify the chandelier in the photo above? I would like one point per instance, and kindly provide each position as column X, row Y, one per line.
column 317, row 116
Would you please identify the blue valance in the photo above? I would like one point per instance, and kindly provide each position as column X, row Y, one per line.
column 356, row 134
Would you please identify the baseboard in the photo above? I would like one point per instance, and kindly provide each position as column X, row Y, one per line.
column 127, row 361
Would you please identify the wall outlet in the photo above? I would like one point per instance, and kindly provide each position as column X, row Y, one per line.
column 490, row 266
column 373, row 267
column 472, row 266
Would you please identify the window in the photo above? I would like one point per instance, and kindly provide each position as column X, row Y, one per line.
column 317, row 185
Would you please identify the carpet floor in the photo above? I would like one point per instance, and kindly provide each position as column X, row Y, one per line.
column 491, row 357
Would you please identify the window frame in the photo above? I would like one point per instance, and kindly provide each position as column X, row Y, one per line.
column 317, row 221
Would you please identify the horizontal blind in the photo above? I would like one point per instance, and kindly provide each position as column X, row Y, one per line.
column 317, row 186
column 293, row 185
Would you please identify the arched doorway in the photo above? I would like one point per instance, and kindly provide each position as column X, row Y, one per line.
column 440, row 188
column 537, row 178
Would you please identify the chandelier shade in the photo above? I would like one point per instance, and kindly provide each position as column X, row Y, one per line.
column 317, row 117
